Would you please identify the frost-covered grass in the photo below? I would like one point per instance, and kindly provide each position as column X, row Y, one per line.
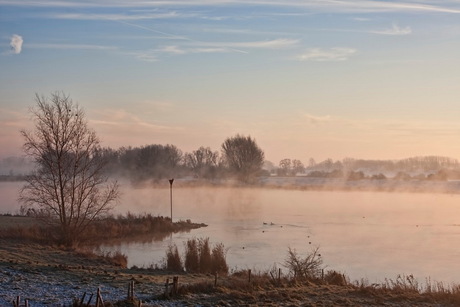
column 49, row 276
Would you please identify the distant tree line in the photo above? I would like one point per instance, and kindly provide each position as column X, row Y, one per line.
column 420, row 168
column 240, row 157
column 158, row 161
column 16, row 167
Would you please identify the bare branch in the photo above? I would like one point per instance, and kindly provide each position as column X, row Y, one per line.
column 69, row 186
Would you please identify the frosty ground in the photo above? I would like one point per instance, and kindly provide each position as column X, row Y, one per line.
column 47, row 276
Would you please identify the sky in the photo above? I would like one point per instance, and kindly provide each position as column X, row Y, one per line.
column 307, row 79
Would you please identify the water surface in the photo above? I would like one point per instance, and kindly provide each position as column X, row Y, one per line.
column 367, row 235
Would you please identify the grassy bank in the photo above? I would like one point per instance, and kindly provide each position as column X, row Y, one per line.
column 300, row 281
column 23, row 267
column 122, row 227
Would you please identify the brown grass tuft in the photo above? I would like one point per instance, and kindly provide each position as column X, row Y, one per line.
column 173, row 261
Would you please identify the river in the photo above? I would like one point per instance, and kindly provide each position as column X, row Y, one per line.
column 366, row 235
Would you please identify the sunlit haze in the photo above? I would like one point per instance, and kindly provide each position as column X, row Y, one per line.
column 322, row 79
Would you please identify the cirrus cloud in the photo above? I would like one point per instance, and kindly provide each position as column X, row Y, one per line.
column 325, row 55
column 395, row 30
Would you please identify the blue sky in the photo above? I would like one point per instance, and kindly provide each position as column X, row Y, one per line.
column 363, row 79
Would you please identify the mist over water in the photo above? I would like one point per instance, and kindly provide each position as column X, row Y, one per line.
column 363, row 234
column 371, row 235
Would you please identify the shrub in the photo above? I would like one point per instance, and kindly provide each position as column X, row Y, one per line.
column 118, row 258
column 305, row 268
column 173, row 260
column 192, row 258
column 198, row 257
column 218, row 259
column 205, row 256
column 335, row 278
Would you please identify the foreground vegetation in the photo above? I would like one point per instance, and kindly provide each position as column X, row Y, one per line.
column 202, row 274
column 301, row 281
column 128, row 227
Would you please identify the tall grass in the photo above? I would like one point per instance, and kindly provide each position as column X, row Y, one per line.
column 133, row 225
column 109, row 228
column 44, row 234
column 206, row 261
column 173, row 261
column 219, row 259
column 192, row 256
column 198, row 257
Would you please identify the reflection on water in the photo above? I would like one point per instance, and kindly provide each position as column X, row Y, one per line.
column 141, row 239
column 363, row 234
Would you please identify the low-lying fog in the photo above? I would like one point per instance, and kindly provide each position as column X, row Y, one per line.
column 367, row 235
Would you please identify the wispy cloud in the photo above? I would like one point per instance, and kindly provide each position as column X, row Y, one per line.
column 171, row 50
column 145, row 56
column 212, row 50
column 215, row 18
column 16, row 44
column 120, row 127
column 314, row 119
column 350, row 6
column 325, row 55
column 267, row 44
column 361, row 19
column 395, row 30
column 197, row 46
column 175, row 50
column 167, row 35
column 13, row 119
column 245, row 31
column 193, row 46
column 70, row 46
column 124, row 119
column 116, row 17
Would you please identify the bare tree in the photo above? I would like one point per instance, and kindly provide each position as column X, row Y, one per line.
column 243, row 156
column 157, row 161
column 202, row 161
column 69, row 187
column 297, row 167
column 284, row 167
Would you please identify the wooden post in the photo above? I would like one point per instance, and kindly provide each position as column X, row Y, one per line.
column 18, row 300
column 279, row 275
column 273, row 278
column 322, row 274
column 97, row 297
column 26, row 304
column 175, row 284
column 82, row 299
column 249, row 276
column 100, row 297
column 166, row 287
column 89, row 300
column 131, row 290
column 170, row 190
column 215, row 279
